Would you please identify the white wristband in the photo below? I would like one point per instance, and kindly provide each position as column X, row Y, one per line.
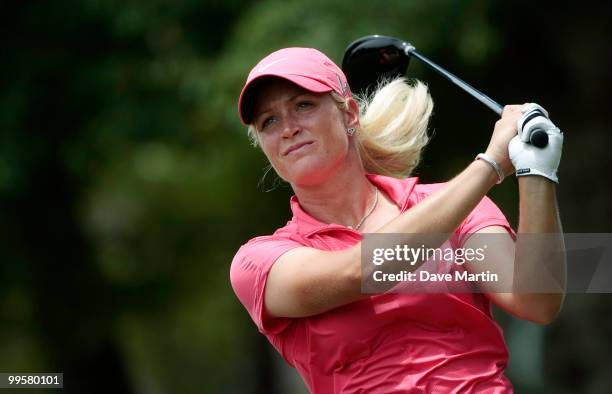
column 492, row 163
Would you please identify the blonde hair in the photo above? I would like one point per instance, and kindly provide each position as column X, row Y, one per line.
column 393, row 127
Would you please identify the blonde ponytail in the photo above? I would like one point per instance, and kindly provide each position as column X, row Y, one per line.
column 393, row 129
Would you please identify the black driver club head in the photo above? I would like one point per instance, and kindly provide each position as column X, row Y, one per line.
column 370, row 59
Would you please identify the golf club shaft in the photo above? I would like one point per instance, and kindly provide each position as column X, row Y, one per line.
column 483, row 98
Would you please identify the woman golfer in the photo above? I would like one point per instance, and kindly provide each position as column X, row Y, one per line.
column 348, row 167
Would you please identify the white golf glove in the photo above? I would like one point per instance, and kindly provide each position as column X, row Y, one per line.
column 529, row 159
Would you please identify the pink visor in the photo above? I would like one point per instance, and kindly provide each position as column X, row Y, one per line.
column 305, row 67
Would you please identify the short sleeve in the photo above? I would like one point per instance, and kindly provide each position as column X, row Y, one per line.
column 484, row 215
column 249, row 273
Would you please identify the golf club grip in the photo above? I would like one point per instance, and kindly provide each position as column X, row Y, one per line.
column 538, row 138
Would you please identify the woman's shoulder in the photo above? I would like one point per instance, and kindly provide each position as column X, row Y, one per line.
column 263, row 247
column 264, row 243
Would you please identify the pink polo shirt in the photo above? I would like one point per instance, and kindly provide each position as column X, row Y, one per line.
column 387, row 343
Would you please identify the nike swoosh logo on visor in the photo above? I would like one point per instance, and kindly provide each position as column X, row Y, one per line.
column 266, row 66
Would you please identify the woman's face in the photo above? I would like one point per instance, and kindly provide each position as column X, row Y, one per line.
column 303, row 134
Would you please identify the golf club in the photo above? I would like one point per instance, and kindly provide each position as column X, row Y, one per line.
column 369, row 59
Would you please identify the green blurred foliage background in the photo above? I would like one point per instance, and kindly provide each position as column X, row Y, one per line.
column 127, row 182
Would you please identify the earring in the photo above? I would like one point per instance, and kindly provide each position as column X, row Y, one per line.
column 350, row 131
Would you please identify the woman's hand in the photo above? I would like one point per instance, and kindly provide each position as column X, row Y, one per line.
column 505, row 130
